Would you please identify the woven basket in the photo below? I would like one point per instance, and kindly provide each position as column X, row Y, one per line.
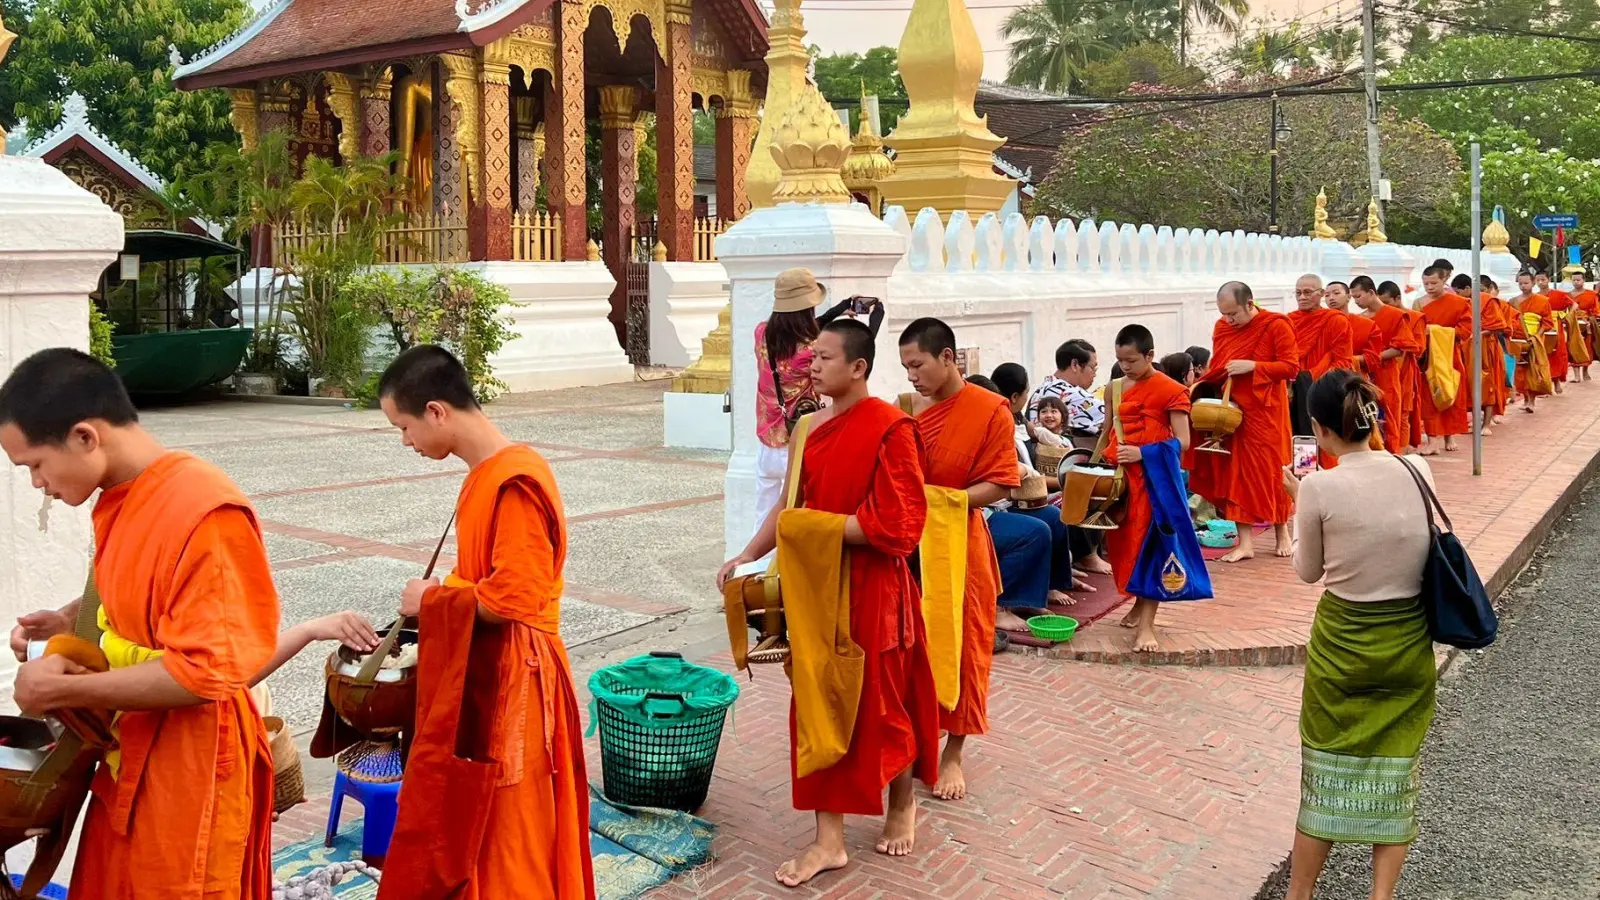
column 289, row 783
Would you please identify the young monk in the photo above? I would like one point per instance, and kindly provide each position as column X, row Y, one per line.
column 1396, row 345
column 1448, row 309
column 1560, row 302
column 1256, row 348
column 1363, row 348
column 1324, row 342
column 1533, row 375
column 183, row 806
column 1497, row 317
column 1586, row 306
column 967, row 445
column 1461, row 285
column 860, row 483
column 1152, row 408
column 1413, row 384
column 521, row 829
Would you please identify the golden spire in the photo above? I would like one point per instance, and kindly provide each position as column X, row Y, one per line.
column 1320, row 230
column 787, row 60
column 868, row 164
column 1374, row 231
column 944, row 151
column 1495, row 238
column 6, row 37
column 810, row 147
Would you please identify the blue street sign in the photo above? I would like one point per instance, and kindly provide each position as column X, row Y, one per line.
column 1551, row 221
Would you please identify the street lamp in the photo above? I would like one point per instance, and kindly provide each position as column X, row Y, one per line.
column 1280, row 131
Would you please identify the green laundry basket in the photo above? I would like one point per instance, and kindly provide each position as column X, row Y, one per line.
column 660, row 721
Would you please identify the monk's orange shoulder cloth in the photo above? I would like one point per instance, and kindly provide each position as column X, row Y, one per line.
column 825, row 665
column 181, row 570
column 515, row 704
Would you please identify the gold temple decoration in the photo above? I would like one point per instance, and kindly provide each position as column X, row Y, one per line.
column 1496, row 239
column 810, row 147
column 659, row 252
column 786, row 75
column 868, row 164
column 1320, row 230
column 461, row 83
column 619, row 105
column 346, row 107
column 944, row 151
column 243, row 117
column 712, row 373
column 6, row 37
column 1374, row 230
column 591, row 252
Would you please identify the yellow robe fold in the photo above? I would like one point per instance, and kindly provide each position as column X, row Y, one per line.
column 825, row 666
column 943, row 551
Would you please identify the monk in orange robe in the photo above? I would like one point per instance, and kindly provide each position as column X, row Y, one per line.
column 968, row 443
column 1412, row 386
column 183, row 806
column 1396, row 345
column 1560, row 302
column 1448, row 309
column 1587, row 304
column 861, row 459
column 1151, row 408
column 1497, row 316
column 1324, row 341
column 1531, row 302
column 502, row 810
column 1256, row 349
column 1364, row 349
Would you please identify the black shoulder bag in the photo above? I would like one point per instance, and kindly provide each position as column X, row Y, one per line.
column 1453, row 596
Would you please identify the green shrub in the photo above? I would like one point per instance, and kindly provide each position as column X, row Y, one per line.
column 100, row 336
column 457, row 309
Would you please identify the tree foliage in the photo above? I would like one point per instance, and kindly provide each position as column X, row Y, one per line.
column 1527, row 181
column 841, row 76
column 1208, row 166
column 1056, row 43
column 1149, row 64
column 116, row 54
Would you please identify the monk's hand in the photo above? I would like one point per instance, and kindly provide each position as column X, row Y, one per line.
column 1127, row 454
column 1291, row 483
column 39, row 683
column 411, row 597
column 726, row 572
column 348, row 628
column 37, row 626
column 1240, row 366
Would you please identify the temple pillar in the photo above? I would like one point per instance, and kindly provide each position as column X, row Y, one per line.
column 274, row 108
column 675, row 135
column 490, row 227
column 736, row 130
column 564, row 111
column 375, row 111
column 619, row 106
column 530, row 147
column 447, row 194
column 346, row 106
column 244, row 117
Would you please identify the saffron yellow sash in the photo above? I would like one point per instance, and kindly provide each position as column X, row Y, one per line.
column 943, row 552
column 121, row 653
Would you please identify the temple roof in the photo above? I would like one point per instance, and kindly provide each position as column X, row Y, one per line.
column 1032, row 124
column 291, row 36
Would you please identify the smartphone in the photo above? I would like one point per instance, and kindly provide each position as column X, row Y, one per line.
column 861, row 306
column 1305, row 456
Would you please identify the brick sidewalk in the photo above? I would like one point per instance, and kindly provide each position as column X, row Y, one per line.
column 1175, row 781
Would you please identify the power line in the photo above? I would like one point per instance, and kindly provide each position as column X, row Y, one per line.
column 1484, row 28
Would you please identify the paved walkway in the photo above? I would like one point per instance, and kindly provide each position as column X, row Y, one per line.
column 1172, row 781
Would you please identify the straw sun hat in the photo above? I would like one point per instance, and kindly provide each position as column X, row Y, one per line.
column 795, row 290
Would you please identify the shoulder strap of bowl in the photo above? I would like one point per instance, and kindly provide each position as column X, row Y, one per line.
column 1114, row 413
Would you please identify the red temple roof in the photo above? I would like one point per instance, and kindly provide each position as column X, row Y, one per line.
column 291, row 36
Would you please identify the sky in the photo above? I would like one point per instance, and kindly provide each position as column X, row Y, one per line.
column 851, row 26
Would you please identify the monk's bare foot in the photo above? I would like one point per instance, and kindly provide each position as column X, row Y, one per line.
column 899, row 831
column 952, row 784
column 1558, row 389
column 1094, row 565
column 1060, row 598
column 1486, row 431
column 1006, row 620
column 1237, row 554
column 1499, row 420
column 1527, row 409
column 1428, row 450
column 1079, row 584
column 1450, row 445
column 811, row 862
column 1145, row 640
column 1131, row 620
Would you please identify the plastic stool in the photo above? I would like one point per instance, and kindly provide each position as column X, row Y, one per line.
column 380, row 801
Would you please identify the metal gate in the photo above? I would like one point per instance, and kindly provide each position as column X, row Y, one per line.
column 638, row 284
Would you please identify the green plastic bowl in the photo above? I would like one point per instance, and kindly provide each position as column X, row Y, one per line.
column 1053, row 628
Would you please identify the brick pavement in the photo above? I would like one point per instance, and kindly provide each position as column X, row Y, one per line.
column 1102, row 781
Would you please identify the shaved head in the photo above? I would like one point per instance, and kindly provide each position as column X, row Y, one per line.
column 1236, row 303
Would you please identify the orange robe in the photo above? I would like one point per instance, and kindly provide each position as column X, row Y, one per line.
column 966, row 440
column 1588, row 301
column 1417, row 391
column 1451, row 311
column 518, row 697
column 1497, row 315
column 1325, row 342
column 1246, row 484
column 1145, row 412
column 1364, row 347
column 1560, row 361
column 181, row 568
column 866, row 463
column 1391, row 330
column 1539, row 305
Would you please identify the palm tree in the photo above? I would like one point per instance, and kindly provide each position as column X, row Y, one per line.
column 1270, row 52
column 1225, row 14
column 1051, row 43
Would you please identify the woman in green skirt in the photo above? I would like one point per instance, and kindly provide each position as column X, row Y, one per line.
column 1362, row 530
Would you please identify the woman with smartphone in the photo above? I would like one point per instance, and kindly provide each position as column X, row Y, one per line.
column 1368, row 697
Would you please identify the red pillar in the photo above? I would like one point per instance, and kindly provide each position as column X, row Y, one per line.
column 675, row 135
column 567, row 195
column 375, row 116
column 491, row 212
column 619, row 106
column 736, row 132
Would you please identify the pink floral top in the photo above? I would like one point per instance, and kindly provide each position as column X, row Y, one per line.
column 771, row 421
